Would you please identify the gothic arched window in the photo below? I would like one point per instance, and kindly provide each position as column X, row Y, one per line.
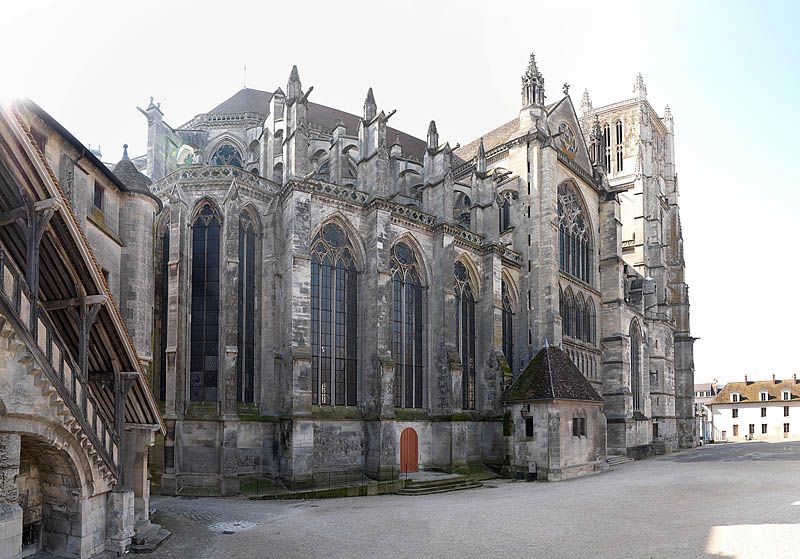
column 505, row 213
column 334, row 319
column 636, row 366
column 574, row 245
column 245, row 369
column 580, row 319
column 205, row 306
column 619, row 145
column 591, row 322
column 323, row 172
column 607, row 147
column 465, row 332
column 162, row 314
column 508, row 325
column 227, row 154
column 407, row 328
column 568, row 314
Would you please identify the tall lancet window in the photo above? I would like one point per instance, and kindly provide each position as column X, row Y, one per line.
column 205, row 306
column 607, row 147
column 508, row 325
column 407, row 328
column 245, row 369
column 334, row 319
column 505, row 213
column 636, row 366
column 465, row 333
column 162, row 314
column 619, row 145
column 574, row 243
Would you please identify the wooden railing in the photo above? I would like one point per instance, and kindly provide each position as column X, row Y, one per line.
column 45, row 343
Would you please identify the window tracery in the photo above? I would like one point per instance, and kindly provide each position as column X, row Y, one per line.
column 334, row 318
column 205, row 305
column 508, row 324
column 573, row 235
column 227, row 154
column 407, row 327
column 245, row 370
column 465, row 332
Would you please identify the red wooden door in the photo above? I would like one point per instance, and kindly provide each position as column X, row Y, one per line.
column 409, row 452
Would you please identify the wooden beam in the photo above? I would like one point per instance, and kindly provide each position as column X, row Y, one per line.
column 38, row 218
column 73, row 302
column 121, row 388
column 13, row 216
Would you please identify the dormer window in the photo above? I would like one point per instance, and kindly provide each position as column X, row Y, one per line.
column 787, row 395
column 735, row 398
column 763, row 396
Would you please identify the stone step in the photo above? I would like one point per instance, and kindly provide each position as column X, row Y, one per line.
column 615, row 460
column 440, row 488
column 445, row 483
column 156, row 535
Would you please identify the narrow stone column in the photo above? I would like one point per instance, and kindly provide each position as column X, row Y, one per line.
column 10, row 511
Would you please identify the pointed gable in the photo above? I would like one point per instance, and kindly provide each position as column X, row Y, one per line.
column 563, row 120
column 551, row 375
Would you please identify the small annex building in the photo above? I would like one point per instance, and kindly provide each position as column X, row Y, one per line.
column 557, row 420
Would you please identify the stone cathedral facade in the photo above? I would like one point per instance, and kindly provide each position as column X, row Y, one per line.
column 323, row 282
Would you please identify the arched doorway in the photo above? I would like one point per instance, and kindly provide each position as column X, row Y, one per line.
column 409, row 451
column 49, row 495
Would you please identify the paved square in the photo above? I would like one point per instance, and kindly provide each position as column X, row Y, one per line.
column 736, row 500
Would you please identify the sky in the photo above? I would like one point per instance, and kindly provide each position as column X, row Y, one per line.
column 729, row 70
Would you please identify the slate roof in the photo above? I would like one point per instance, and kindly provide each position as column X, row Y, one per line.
column 493, row 138
column 750, row 391
column 127, row 172
column 551, row 375
column 257, row 101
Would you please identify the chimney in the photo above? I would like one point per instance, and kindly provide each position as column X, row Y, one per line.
column 773, row 379
column 745, row 380
column 794, row 377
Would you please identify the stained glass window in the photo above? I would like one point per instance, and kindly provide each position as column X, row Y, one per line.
column 226, row 154
column 607, row 147
column 407, row 327
column 636, row 366
column 245, row 370
column 508, row 325
column 163, row 316
column 574, row 245
column 204, row 360
column 465, row 332
column 334, row 319
column 505, row 213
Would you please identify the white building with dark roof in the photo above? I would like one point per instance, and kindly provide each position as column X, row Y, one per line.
column 767, row 410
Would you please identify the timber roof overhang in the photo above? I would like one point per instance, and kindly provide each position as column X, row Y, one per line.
column 68, row 271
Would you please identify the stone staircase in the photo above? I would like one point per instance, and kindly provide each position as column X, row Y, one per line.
column 617, row 459
column 10, row 342
column 430, row 483
column 148, row 537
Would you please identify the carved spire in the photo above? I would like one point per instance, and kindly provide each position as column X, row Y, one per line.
column 532, row 84
column 480, row 163
column 639, row 89
column 370, row 107
column 433, row 136
column 586, row 103
column 294, row 88
column 596, row 142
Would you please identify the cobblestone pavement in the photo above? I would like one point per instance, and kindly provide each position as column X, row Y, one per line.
column 734, row 500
